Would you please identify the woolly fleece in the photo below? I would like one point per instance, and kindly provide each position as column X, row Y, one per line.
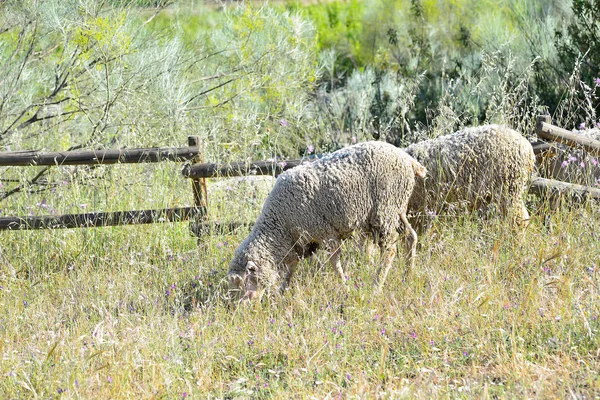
column 473, row 169
column 365, row 187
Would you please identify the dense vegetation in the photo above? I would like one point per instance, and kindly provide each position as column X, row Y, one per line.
column 145, row 312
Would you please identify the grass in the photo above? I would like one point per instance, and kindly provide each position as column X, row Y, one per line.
column 144, row 312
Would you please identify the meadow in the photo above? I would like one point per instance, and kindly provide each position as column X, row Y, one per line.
column 145, row 311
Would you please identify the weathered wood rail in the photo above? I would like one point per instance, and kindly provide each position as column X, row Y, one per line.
column 210, row 170
column 97, row 219
column 539, row 186
column 545, row 130
column 190, row 153
column 554, row 188
column 198, row 172
column 551, row 187
column 98, row 157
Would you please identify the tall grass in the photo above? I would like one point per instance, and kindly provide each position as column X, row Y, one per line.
column 143, row 312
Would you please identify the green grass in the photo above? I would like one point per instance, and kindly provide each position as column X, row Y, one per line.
column 144, row 312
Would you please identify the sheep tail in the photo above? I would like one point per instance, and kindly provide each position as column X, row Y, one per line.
column 418, row 168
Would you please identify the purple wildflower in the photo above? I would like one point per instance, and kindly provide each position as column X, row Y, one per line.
column 184, row 395
column 564, row 164
column 283, row 122
column 310, row 149
column 582, row 126
column 465, row 353
column 109, row 379
column 413, row 335
column 594, row 162
column 571, row 158
column 582, row 164
column 597, row 81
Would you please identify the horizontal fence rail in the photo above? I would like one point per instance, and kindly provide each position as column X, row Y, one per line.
column 100, row 219
column 210, row 170
column 96, row 157
column 578, row 193
column 540, row 148
column 218, row 228
column 547, row 131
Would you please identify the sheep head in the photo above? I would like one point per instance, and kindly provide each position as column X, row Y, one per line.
column 246, row 281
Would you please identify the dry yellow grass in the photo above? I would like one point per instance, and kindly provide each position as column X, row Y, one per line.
column 142, row 312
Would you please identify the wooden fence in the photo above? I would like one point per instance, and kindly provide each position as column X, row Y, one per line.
column 551, row 187
column 191, row 153
column 539, row 186
column 198, row 172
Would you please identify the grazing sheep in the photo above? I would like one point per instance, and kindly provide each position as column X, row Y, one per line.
column 474, row 169
column 364, row 187
column 573, row 165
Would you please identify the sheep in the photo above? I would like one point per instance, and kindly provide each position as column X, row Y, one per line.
column 473, row 169
column 365, row 187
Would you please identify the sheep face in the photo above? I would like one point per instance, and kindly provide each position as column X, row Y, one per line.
column 246, row 282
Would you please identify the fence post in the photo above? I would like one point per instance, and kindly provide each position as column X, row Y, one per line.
column 543, row 118
column 199, row 185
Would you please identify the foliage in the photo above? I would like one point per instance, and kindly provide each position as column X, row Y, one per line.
column 77, row 75
column 578, row 44
column 447, row 47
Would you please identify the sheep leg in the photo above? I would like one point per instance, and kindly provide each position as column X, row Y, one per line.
column 291, row 268
column 336, row 263
column 369, row 247
column 388, row 253
column 411, row 244
column 523, row 218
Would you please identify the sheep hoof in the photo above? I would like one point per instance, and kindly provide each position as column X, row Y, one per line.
column 250, row 295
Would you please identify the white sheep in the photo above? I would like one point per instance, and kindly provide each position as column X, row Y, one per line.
column 364, row 187
column 474, row 169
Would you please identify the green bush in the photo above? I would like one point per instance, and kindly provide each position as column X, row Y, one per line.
column 578, row 45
